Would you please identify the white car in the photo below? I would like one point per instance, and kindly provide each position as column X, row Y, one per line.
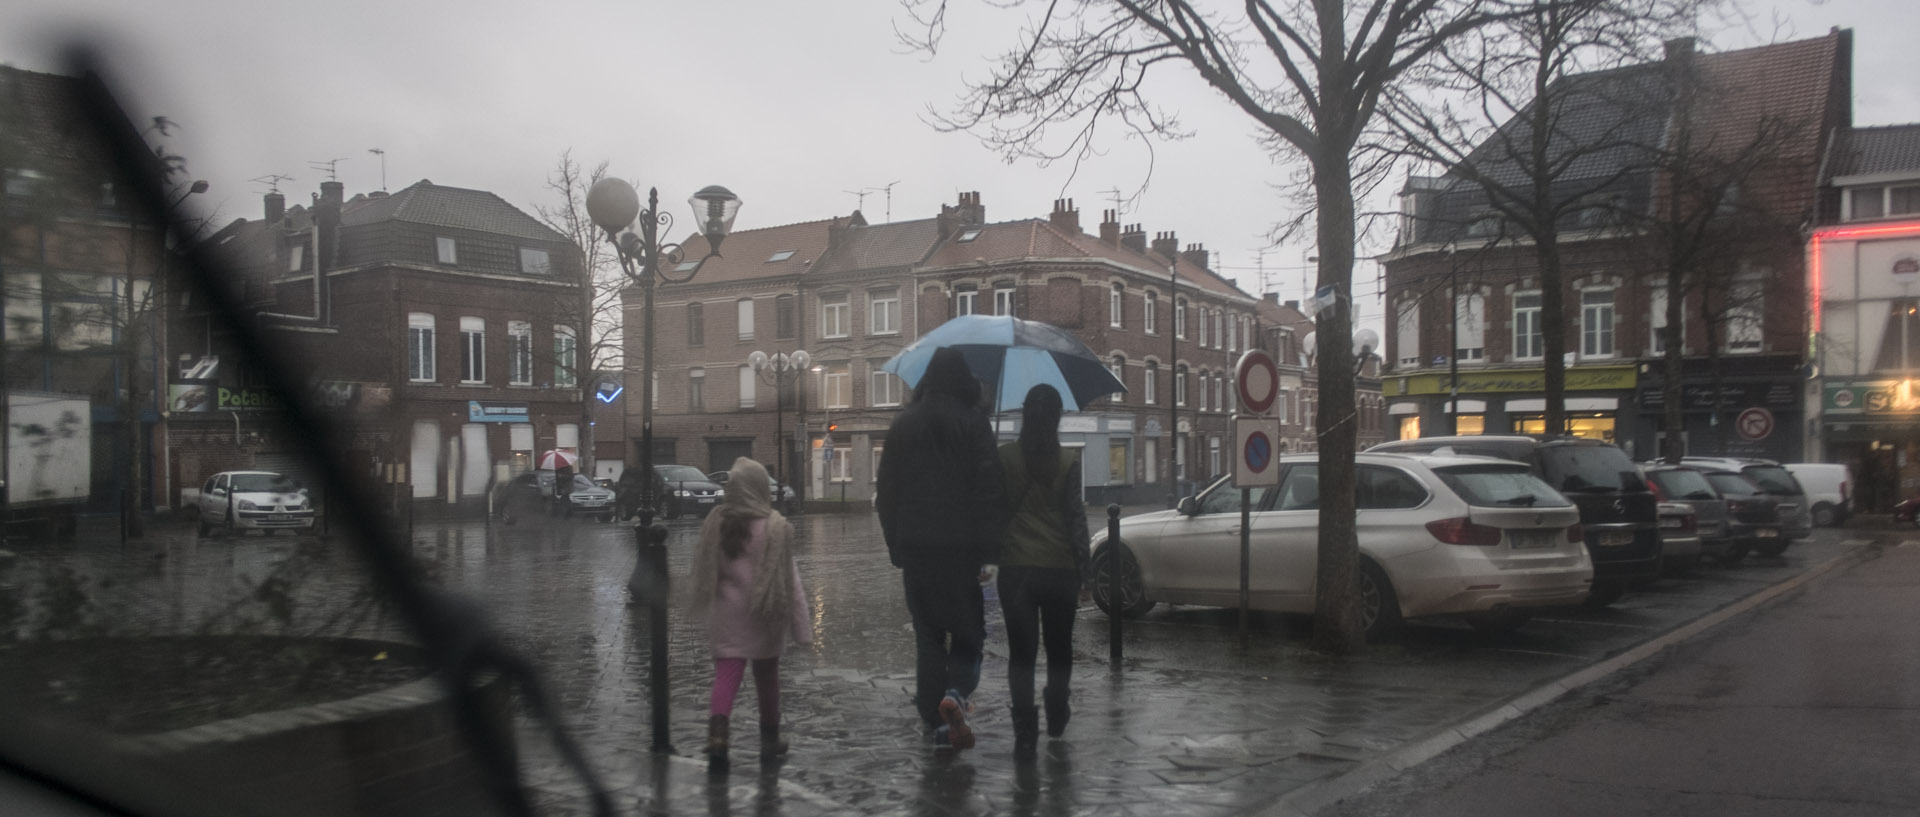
column 1438, row 534
column 239, row 501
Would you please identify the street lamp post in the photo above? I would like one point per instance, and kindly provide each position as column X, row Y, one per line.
column 614, row 205
column 782, row 366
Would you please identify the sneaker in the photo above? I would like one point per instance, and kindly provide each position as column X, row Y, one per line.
column 941, row 745
column 953, row 710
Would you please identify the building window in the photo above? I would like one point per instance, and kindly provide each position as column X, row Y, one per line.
column 1528, row 343
column 1213, row 455
column 566, row 358
column 1118, row 366
column 1117, row 306
column 1866, row 202
column 1180, row 318
column 1657, row 312
column 744, row 318
column 1180, row 384
column 963, row 301
column 1149, row 304
column 445, row 250
column 296, row 257
column 1470, row 309
column 1903, row 201
column 1206, row 391
column 1150, row 461
column 1119, row 456
column 783, row 323
column 1280, row 406
column 1219, row 391
column 696, row 324
column 1233, row 333
column 834, row 317
column 748, row 380
column 1408, row 332
column 1745, row 308
column 883, row 389
column 473, row 350
column 883, row 312
column 519, row 353
column 1150, row 384
column 841, row 468
column 836, row 391
column 419, row 347
column 1003, row 299
column 1596, row 323
column 873, row 474
column 696, row 389
column 534, row 261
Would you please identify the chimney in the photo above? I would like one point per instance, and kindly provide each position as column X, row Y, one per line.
column 1195, row 255
column 326, row 251
column 1680, row 49
column 1134, row 238
column 276, row 207
column 1167, row 245
column 968, row 213
column 334, row 192
column 1065, row 216
column 1271, row 297
column 1110, row 228
column 1294, row 305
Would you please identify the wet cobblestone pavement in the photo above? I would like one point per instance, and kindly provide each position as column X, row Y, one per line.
column 1190, row 724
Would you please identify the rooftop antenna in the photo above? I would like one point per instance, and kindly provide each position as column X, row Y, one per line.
column 1113, row 195
column 272, row 181
column 860, row 197
column 329, row 165
column 383, row 166
column 889, row 188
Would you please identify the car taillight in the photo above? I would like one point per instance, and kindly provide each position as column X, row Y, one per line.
column 1462, row 531
column 1575, row 535
column 1843, row 492
column 1658, row 495
column 1679, row 522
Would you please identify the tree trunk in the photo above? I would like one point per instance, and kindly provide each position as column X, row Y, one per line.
column 1674, row 386
column 1337, row 627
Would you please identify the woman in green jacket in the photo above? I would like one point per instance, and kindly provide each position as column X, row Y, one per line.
column 1042, row 562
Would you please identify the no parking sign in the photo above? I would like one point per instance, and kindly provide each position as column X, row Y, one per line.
column 1256, row 458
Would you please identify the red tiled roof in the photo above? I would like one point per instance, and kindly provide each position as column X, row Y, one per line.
column 744, row 254
column 1786, row 83
column 881, row 246
column 1040, row 238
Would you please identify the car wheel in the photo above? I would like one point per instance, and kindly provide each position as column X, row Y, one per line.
column 1504, row 620
column 1133, row 594
column 1735, row 552
column 1379, row 606
column 1823, row 516
column 1605, row 593
column 1773, row 547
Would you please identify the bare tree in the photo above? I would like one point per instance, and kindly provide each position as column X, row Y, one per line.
column 1542, row 128
column 593, row 308
column 1310, row 74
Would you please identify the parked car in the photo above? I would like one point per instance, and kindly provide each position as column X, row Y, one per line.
column 1682, row 484
column 1439, row 535
column 1829, row 487
column 1753, row 515
column 530, row 494
column 1796, row 516
column 1679, row 538
column 782, row 492
column 1617, row 511
column 682, row 489
column 240, row 501
column 590, row 498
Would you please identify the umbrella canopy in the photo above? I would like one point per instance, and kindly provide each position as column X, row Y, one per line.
column 1011, row 356
column 557, row 459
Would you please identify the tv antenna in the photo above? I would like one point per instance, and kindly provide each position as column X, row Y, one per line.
column 272, row 181
column 331, row 166
column 860, row 196
column 383, row 166
column 1113, row 195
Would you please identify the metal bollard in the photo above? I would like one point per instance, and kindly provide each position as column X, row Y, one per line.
column 653, row 550
column 1113, row 586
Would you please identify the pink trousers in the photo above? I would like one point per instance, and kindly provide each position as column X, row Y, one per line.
column 727, row 674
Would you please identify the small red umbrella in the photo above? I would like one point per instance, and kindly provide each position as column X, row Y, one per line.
column 557, row 459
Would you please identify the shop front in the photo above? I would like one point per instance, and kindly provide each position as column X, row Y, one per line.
column 1508, row 401
column 1873, row 427
column 1750, row 416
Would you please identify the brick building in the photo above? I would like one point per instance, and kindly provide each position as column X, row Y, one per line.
column 853, row 294
column 1463, row 292
column 441, row 324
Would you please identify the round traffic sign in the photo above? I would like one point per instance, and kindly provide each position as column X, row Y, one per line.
column 1257, row 381
column 1259, row 452
column 1754, row 423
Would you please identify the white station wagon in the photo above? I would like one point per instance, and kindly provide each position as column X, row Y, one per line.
column 1439, row 535
column 239, row 501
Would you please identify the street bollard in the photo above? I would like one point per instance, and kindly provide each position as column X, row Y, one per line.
column 1118, row 609
column 653, row 550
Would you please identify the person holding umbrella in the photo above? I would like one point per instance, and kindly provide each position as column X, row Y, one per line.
column 943, row 513
column 1043, row 562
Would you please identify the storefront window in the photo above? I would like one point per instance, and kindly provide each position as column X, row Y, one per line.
column 1117, row 459
column 1589, row 426
column 1410, row 427
column 1470, row 424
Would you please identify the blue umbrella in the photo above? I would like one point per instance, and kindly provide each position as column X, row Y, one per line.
column 1011, row 356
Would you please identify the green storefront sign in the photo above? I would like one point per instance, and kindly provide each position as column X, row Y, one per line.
column 1871, row 397
column 247, row 400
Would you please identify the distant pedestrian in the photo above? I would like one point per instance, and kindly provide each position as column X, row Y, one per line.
column 562, row 490
column 1043, row 563
column 746, row 585
column 942, row 511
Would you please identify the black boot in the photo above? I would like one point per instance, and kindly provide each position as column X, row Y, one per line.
column 1057, row 711
column 1026, row 727
column 772, row 746
column 717, row 728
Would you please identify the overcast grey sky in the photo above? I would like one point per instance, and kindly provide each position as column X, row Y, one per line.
column 788, row 103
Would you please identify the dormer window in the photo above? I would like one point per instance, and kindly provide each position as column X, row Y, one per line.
column 445, row 250
column 1882, row 201
column 780, row 256
column 535, row 261
column 968, row 236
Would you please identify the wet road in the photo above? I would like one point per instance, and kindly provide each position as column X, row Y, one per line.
column 1190, row 724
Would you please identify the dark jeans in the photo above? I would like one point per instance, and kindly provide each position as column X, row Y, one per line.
column 1038, row 602
column 949, row 630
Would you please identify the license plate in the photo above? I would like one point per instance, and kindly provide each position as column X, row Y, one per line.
column 1532, row 539
column 1766, row 533
column 1611, row 538
column 707, row 500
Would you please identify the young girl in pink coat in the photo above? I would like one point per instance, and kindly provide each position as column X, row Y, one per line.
column 747, row 586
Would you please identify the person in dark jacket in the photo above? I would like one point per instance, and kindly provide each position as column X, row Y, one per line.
column 942, row 512
column 1042, row 563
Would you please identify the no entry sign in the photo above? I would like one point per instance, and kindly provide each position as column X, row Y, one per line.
column 1257, row 382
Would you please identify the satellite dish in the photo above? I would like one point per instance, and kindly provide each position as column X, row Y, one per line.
column 1364, row 341
column 1310, row 343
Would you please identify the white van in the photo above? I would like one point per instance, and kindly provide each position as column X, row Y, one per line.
column 1829, row 490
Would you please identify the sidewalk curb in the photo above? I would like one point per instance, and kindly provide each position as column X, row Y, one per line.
column 1311, row 798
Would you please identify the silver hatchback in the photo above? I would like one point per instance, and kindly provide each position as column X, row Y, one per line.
column 1439, row 535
